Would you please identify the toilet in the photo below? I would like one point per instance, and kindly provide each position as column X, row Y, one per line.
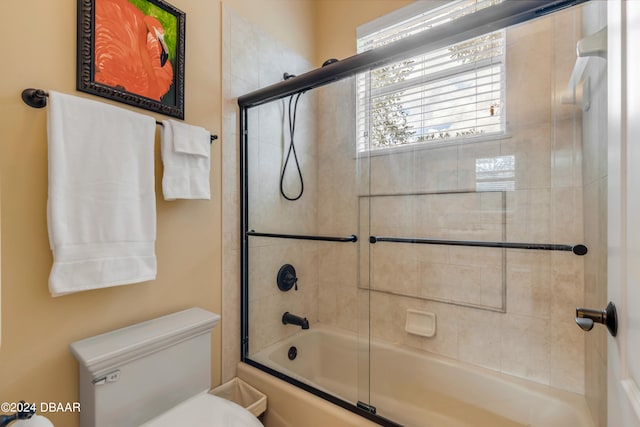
column 154, row 374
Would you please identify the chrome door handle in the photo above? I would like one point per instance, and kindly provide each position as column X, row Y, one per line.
column 587, row 317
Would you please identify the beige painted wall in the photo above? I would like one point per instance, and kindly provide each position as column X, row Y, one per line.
column 39, row 40
column 336, row 22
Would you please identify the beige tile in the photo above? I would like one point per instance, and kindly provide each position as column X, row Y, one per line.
column 463, row 283
column 493, row 287
column 525, row 347
column 245, row 48
column 567, row 356
column 327, row 305
column 478, row 257
column 528, row 54
column 567, row 278
column 398, row 212
column 531, row 30
column 531, row 147
column 336, row 186
column 567, row 152
column 528, row 216
column 231, row 221
column 435, row 282
column 595, row 387
column 436, row 170
column 395, row 268
column 468, row 154
column 394, row 173
column 528, row 284
column 566, row 30
column 384, row 317
column 230, row 314
column 347, row 308
column 479, row 338
column 566, row 215
column 337, row 263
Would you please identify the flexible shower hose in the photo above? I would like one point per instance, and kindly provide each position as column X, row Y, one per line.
column 292, row 148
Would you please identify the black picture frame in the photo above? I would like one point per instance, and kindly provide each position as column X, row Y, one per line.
column 98, row 70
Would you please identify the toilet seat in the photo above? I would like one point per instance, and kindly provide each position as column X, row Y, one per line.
column 205, row 410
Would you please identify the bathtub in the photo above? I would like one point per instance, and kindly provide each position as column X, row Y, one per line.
column 419, row 389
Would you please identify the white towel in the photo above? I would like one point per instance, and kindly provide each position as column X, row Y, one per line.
column 101, row 207
column 185, row 151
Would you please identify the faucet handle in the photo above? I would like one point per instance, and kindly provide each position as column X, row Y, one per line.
column 286, row 278
column 585, row 324
column 587, row 317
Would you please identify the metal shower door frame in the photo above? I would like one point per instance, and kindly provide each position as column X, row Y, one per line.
column 502, row 15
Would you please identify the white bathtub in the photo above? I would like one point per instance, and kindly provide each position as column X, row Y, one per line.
column 419, row 389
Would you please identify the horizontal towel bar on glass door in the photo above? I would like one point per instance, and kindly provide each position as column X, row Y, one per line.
column 352, row 238
column 577, row 249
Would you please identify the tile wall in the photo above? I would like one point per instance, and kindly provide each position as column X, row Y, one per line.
column 252, row 59
column 594, row 131
column 535, row 337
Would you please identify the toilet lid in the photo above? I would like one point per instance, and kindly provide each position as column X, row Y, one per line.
column 205, row 410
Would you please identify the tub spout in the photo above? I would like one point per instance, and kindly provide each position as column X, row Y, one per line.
column 288, row 318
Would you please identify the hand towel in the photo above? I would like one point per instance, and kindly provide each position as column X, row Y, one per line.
column 101, row 206
column 185, row 151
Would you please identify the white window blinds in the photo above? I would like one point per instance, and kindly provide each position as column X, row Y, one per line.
column 450, row 93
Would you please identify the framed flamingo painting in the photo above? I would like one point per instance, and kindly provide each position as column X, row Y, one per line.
column 132, row 51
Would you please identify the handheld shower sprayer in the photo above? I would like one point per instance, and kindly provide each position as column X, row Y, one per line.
column 293, row 112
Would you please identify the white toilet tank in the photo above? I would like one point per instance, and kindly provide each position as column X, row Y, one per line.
column 131, row 375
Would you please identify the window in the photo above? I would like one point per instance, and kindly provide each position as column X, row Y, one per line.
column 448, row 94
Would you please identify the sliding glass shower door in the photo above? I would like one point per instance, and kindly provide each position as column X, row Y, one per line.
column 445, row 206
column 307, row 316
column 481, row 219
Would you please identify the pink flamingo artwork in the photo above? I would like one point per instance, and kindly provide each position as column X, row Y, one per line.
column 130, row 52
